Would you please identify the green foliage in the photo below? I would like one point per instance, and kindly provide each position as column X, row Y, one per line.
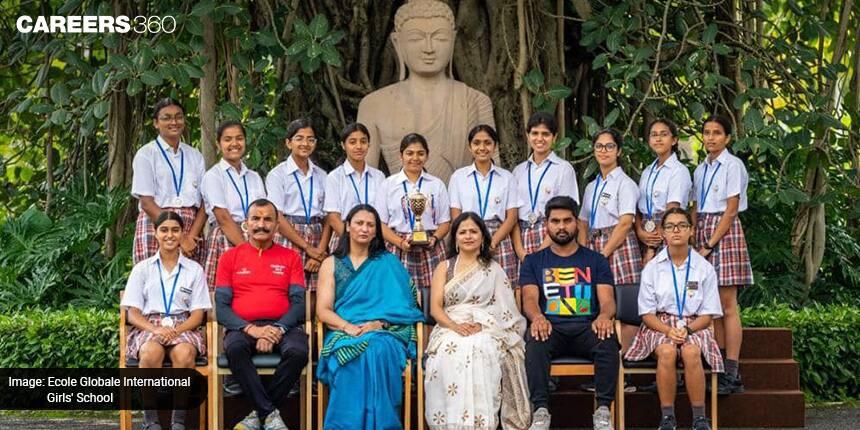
column 52, row 262
column 82, row 337
column 826, row 344
column 315, row 44
column 545, row 96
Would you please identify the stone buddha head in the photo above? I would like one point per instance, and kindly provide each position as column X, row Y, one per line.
column 423, row 37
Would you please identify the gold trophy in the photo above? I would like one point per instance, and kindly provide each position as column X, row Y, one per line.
column 418, row 203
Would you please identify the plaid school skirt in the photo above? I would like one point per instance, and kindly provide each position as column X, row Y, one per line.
column 532, row 236
column 730, row 258
column 626, row 261
column 420, row 260
column 145, row 245
column 647, row 340
column 216, row 245
column 138, row 337
column 505, row 255
column 312, row 234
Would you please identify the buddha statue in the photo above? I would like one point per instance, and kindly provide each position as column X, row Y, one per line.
column 427, row 100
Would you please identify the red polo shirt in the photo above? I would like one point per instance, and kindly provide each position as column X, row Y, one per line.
column 260, row 281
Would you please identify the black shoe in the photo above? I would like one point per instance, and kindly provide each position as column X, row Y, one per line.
column 295, row 390
column 231, row 386
column 553, row 383
column 701, row 423
column 728, row 384
column 668, row 423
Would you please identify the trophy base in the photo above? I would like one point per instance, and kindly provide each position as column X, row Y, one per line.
column 419, row 238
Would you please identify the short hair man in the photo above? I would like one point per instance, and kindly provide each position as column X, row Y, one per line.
column 569, row 300
column 260, row 300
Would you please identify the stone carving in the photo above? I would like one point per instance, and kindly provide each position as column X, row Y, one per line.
column 427, row 100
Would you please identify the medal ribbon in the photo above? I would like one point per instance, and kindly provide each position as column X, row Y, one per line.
column 355, row 188
column 246, row 202
column 310, row 203
column 649, row 195
column 678, row 300
column 704, row 194
column 533, row 197
column 167, row 304
column 482, row 203
column 594, row 201
column 176, row 184
column 409, row 207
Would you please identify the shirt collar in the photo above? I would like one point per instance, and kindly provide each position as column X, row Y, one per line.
column 614, row 173
column 224, row 165
column 670, row 162
column 163, row 145
column 401, row 177
column 291, row 166
column 722, row 158
column 552, row 158
column 183, row 260
column 348, row 169
column 663, row 255
column 473, row 168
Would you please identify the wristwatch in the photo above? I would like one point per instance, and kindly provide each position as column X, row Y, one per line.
column 708, row 246
column 690, row 330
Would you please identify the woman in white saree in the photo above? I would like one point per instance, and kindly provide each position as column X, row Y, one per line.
column 475, row 357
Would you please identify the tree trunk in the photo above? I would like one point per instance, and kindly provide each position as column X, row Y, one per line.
column 209, row 94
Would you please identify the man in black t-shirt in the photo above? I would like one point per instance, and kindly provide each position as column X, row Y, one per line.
column 569, row 300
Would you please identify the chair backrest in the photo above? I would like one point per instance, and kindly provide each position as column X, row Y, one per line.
column 627, row 304
column 425, row 306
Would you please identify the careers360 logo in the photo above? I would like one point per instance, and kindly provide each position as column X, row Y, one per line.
column 95, row 24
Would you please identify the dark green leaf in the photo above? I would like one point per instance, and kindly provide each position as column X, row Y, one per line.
column 60, row 93
column 710, row 33
column 331, row 56
column 134, row 87
column 319, row 26
column 203, row 8
column 611, row 118
column 533, row 80
column 151, row 78
column 101, row 108
column 558, row 91
column 298, row 46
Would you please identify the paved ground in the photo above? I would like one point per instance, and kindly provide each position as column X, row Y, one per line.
column 816, row 419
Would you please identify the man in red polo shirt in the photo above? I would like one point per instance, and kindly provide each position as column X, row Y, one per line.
column 259, row 295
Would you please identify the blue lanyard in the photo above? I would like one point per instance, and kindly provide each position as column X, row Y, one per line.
column 649, row 194
column 678, row 300
column 409, row 208
column 355, row 188
column 167, row 304
column 176, row 184
column 247, row 201
column 533, row 197
column 482, row 203
column 593, row 208
column 704, row 194
column 310, row 203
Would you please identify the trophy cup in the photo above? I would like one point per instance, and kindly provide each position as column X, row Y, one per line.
column 418, row 203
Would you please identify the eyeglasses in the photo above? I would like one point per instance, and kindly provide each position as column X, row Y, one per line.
column 663, row 134
column 676, row 227
column 300, row 139
column 168, row 118
column 605, row 147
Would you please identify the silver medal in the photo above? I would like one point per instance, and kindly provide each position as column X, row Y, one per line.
column 533, row 219
column 167, row 322
column 681, row 323
column 244, row 226
column 177, row 202
column 650, row 226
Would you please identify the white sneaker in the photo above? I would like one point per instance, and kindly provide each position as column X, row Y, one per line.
column 251, row 422
column 540, row 419
column 602, row 419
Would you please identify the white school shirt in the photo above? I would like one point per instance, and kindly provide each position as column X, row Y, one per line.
column 560, row 180
column 340, row 195
column 143, row 289
column 731, row 180
column 393, row 202
column 657, row 289
column 503, row 194
column 617, row 199
column 219, row 191
column 668, row 183
column 152, row 176
column 283, row 190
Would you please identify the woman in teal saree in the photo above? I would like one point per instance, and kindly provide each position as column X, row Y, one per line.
column 367, row 301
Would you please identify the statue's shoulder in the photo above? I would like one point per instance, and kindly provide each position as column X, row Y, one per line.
column 380, row 101
column 385, row 93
